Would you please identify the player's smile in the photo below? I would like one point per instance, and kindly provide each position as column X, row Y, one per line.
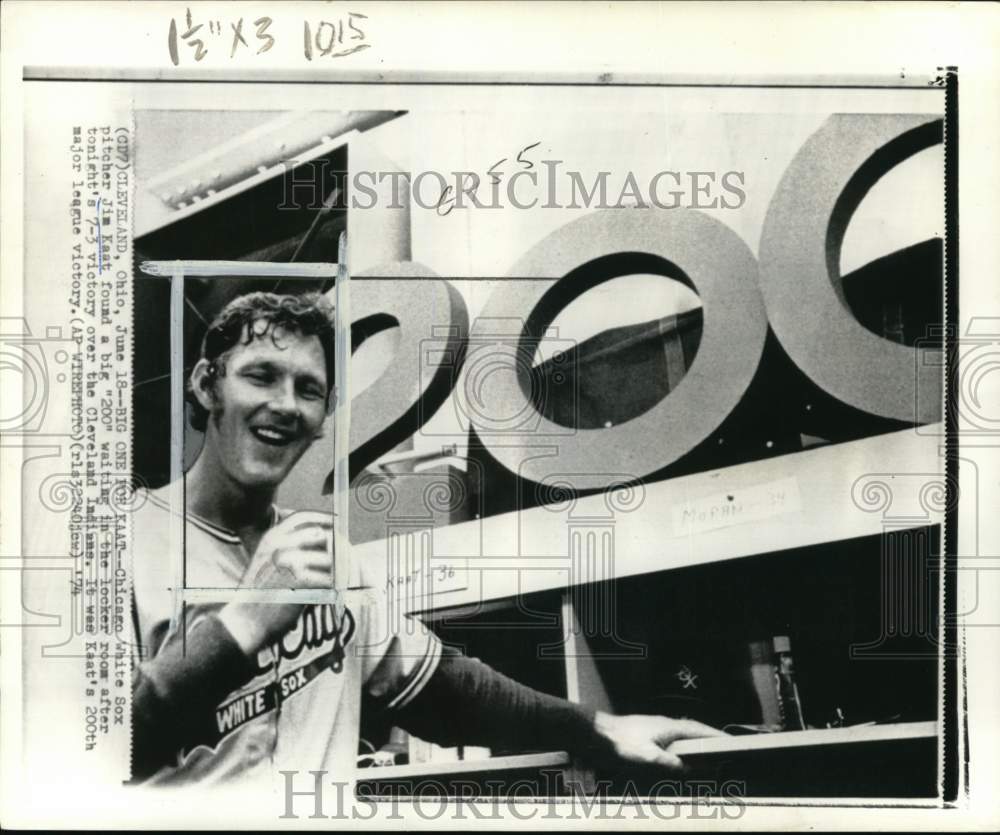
column 272, row 435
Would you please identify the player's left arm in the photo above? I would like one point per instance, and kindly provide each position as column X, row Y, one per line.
column 467, row 702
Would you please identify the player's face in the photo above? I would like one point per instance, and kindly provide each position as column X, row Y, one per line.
column 269, row 406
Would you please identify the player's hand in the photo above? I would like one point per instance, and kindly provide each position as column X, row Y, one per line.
column 647, row 739
column 294, row 554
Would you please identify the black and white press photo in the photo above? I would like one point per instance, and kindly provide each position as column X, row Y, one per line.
column 582, row 430
column 609, row 379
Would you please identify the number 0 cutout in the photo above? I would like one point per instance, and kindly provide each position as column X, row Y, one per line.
column 722, row 270
column 800, row 267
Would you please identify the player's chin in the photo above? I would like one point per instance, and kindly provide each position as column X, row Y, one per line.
column 258, row 478
column 266, row 473
column 271, row 472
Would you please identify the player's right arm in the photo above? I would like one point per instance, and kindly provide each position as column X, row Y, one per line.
column 218, row 652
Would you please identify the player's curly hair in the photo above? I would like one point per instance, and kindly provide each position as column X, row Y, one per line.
column 256, row 316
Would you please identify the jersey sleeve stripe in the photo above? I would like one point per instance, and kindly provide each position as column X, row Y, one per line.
column 421, row 673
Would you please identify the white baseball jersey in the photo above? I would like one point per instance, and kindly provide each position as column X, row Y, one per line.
column 302, row 709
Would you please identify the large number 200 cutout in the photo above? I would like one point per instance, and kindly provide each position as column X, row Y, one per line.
column 798, row 271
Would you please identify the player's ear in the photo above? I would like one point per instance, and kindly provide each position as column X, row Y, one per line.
column 202, row 382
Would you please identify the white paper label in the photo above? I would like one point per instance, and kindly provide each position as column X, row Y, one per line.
column 746, row 504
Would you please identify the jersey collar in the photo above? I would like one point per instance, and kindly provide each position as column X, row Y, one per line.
column 211, row 528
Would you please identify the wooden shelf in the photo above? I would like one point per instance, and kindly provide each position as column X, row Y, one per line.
column 402, row 772
column 748, row 509
column 804, row 739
